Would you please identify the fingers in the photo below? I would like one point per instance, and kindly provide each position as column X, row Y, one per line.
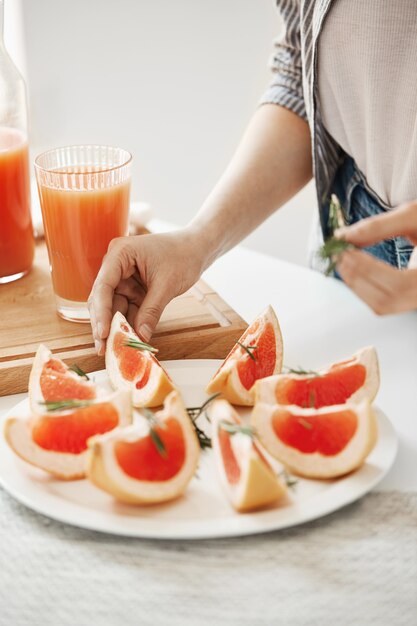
column 385, row 289
column 117, row 265
column 147, row 316
column 395, row 223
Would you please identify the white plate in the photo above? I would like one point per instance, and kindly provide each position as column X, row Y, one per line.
column 203, row 512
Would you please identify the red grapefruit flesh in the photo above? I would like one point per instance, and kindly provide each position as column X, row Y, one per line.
column 334, row 387
column 264, row 358
column 326, row 434
column 57, row 382
column 69, row 433
column 134, row 364
column 257, row 354
column 142, row 460
column 231, row 466
column 134, row 367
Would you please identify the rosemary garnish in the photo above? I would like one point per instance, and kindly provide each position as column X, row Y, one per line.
column 305, row 423
column 232, row 429
column 140, row 345
column 77, row 369
column 336, row 219
column 153, row 433
column 302, row 372
column 331, row 251
column 248, row 349
column 194, row 413
column 63, row 405
column 289, row 480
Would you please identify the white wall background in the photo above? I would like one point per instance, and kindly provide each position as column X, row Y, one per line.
column 175, row 82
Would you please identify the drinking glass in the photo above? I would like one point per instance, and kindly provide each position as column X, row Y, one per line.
column 84, row 194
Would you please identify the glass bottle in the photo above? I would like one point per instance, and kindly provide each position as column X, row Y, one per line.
column 17, row 245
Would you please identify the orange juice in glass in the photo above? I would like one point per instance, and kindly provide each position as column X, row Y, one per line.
column 84, row 194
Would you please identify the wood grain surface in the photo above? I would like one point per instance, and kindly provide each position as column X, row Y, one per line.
column 187, row 329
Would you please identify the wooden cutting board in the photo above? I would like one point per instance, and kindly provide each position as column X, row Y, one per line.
column 198, row 324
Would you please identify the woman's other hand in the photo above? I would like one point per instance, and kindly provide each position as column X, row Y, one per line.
column 385, row 289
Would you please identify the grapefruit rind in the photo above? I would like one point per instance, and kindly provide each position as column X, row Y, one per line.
column 258, row 485
column 42, row 356
column 317, row 465
column 265, row 390
column 227, row 381
column 62, row 465
column 159, row 384
column 104, row 471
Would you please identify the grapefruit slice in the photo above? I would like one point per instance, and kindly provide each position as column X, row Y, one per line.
column 257, row 354
column 135, row 368
column 317, row 443
column 247, row 478
column 350, row 380
column 149, row 462
column 57, row 441
column 52, row 380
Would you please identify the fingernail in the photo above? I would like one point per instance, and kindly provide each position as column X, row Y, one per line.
column 145, row 332
column 100, row 330
column 97, row 345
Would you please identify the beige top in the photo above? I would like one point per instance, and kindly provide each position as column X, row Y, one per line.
column 367, row 79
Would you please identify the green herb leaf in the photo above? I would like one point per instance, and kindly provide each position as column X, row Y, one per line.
column 302, row 372
column 140, row 345
column 331, row 251
column 305, row 423
column 64, row 405
column 194, row 413
column 232, row 429
column 154, row 435
column 288, row 479
column 248, row 350
column 336, row 219
column 77, row 369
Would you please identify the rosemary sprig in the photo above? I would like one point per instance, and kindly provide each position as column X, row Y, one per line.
column 194, row 413
column 336, row 219
column 77, row 369
column 305, row 423
column 302, row 372
column 64, row 405
column 248, row 349
column 153, row 433
column 140, row 345
column 232, row 429
column 289, row 480
column 331, row 251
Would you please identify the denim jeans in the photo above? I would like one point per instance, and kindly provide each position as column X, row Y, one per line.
column 359, row 201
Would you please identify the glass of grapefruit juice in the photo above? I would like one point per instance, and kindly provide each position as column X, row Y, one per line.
column 17, row 244
column 84, row 194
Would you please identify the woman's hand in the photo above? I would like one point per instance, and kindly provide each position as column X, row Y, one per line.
column 139, row 276
column 384, row 288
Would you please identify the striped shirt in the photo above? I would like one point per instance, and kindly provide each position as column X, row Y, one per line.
column 295, row 84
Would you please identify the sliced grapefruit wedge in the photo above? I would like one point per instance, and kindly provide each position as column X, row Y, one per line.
column 257, row 354
column 57, row 441
column 350, row 380
column 52, row 380
column 247, row 478
column 317, row 443
column 130, row 365
column 149, row 462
